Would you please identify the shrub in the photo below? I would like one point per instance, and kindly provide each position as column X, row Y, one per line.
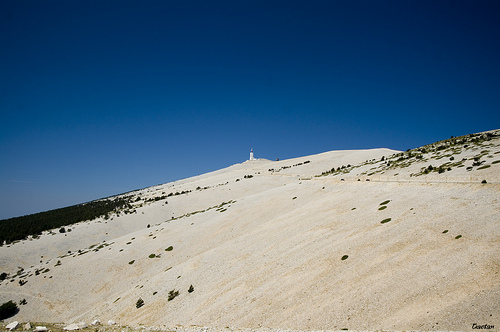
column 344, row 257
column 445, row 231
column 169, row 248
column 172, row 294
column 382, row 207
column 8, row 309
column 191, row 289
column 3, row 276
column 131, row 262
column 139, row 303
column 152, row 256
column 458, row 237
column 385, row 220
column 484, row 181
column 385, row 202
column 62, row 230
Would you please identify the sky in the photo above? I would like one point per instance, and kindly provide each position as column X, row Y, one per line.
column 103, row 97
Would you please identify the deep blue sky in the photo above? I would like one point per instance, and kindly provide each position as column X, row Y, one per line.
column 102, row 97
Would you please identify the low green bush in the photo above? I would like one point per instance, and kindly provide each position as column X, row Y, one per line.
column 172, row 294
column 8, row 309
column 385, row 220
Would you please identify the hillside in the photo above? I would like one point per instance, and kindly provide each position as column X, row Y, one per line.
column 360, row 239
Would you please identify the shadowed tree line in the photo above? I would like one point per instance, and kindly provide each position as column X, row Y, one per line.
column 19, row 228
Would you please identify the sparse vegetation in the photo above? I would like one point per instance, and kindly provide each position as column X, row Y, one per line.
column 169, row 248
column 139, row 303
column 382, row 207
column 458, row 237
column 172, row 294
column 344, row 257
column 191, row 289
column 131, row 262
column 438, row 150
column 445, row 231
column 385, row 220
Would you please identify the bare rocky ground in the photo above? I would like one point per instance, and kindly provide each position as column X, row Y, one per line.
column 360, row 240
column 115, row 328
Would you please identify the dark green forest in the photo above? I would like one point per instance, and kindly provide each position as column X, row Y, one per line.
column 19, row 228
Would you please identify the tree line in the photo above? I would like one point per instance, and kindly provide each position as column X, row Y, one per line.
column 19, row 228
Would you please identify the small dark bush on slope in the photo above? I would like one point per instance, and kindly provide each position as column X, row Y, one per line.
column 8, row 309
column 172, row 294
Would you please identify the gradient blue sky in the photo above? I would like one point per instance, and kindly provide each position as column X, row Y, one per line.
column 103, row 97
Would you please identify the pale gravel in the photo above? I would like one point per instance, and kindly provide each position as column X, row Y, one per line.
column 271, row 260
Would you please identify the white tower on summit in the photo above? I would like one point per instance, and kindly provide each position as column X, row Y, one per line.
column 251, row 154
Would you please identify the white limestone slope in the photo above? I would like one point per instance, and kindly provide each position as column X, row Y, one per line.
column 266, row 250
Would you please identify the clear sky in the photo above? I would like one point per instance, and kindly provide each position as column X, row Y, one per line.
column 100, row 97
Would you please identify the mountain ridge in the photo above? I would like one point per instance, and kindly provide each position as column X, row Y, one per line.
column 358, row 239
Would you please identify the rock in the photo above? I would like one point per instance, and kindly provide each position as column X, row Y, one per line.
column 40, row 329
column 82, row 325
column 71, row 327
column 27, row 326
column 111, row 322
column 12, row 326
column 96, row 322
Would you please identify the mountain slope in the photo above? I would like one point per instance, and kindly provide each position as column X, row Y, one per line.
column 306, row 243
